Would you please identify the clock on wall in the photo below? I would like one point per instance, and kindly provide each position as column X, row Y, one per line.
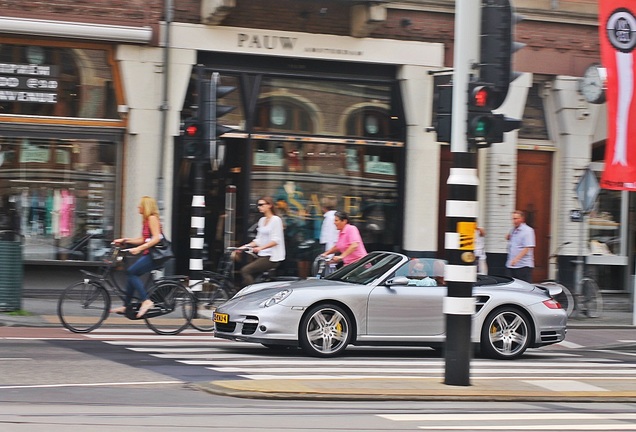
column 593, row 84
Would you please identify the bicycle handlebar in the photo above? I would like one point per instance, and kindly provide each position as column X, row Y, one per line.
column 556, row 252
column 247, row 249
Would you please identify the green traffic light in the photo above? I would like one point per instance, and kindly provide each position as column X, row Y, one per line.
column 480, row 126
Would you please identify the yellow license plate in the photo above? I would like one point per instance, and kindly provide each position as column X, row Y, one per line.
column 221, row 318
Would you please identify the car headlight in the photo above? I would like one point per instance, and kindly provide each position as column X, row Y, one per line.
column 276, row 298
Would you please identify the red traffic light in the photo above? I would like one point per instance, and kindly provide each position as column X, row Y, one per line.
column 191, row 130
column 481, row 97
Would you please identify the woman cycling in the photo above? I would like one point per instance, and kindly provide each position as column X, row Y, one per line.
column 349, row 242
column 150, row 236
column 269, row 244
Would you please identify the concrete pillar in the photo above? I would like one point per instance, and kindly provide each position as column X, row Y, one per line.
column 142, row 76
column 422, row 161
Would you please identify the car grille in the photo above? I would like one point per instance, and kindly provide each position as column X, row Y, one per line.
column 225, row 328
column 249, row 325
column 549, row 336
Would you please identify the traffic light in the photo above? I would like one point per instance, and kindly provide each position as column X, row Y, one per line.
column 443, row 112
column 497, row 46
column 484, row 126
column 212, row 111
column 192, row 139
column 481, row 120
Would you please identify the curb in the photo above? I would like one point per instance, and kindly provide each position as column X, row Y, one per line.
column 422, row 390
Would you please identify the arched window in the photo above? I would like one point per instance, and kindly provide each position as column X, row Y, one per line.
column 278, row 115
column 369, row 123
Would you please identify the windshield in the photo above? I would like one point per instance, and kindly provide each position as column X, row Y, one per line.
column 367, row 269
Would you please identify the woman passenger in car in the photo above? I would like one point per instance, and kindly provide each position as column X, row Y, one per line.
column 349, row 242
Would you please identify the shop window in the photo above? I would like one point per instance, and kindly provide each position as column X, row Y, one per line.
column 323, row 107
column 605, row 223
column 608, row 237
column 360, row 178
column 59, row 194
column 56, row 81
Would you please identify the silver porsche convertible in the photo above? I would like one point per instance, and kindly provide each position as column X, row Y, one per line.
column 388, row 299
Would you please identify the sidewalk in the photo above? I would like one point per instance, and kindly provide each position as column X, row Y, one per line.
column 545, row 388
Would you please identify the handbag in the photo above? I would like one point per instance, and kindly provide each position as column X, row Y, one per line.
column 162, row 251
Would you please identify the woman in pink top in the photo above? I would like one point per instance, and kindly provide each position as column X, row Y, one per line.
column 349, row 242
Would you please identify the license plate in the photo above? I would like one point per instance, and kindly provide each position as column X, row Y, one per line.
column 221, row 318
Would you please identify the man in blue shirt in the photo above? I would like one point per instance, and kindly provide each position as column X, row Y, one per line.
column 521, row 244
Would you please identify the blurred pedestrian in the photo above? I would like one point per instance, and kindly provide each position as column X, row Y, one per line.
column 480, row 251
column 521, row 244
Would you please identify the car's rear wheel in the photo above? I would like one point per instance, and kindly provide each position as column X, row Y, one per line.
column 506, row 334
column 325, row 331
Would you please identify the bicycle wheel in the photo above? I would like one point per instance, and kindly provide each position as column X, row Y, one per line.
column 214, row 293
column 565, row 298
column 83, row 307
column 591, row 299
column 173, row 308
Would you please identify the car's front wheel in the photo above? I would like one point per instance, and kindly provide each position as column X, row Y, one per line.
column 325, row 331
column 506, row 334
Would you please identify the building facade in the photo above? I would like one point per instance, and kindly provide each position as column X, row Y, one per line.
column 334, row 99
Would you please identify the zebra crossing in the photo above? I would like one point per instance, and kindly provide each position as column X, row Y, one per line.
column 252, row 361
column 519, row 421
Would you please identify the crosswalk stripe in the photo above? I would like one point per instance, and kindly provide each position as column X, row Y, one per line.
column 148, row 336
column 548, row 428
column 145, row 331
column 570, row 345
column 544, row 421
column 498, row 372
column 160, row 343
column 499, row 416
column 269, row 361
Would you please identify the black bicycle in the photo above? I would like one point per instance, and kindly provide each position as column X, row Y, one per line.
column 587, row 298
column 215, row 289
column 83, row 306
column 219, row 286
column 322, row 267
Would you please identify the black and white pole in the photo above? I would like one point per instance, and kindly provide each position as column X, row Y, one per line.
column 197, row 224
column 461, row 207
column 461, row 271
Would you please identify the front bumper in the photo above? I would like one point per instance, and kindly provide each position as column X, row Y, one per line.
column 273, row 325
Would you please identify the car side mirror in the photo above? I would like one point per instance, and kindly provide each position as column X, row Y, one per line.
column 397, row 280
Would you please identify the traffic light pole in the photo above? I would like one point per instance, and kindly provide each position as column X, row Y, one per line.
column 193, row 138
column 461, row 206
column 197, row 223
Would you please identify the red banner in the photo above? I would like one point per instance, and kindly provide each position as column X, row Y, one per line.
column 617, row 26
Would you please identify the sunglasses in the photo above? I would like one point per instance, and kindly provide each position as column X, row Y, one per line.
column 261, row 204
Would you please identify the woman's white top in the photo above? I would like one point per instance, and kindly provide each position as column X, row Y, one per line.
column 272, row 232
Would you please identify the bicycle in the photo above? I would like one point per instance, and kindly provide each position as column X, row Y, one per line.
column 219, row 286
column 565, row 298
column 83, row 306
column 216, row 288
column 322, row 267
column 587, row 298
